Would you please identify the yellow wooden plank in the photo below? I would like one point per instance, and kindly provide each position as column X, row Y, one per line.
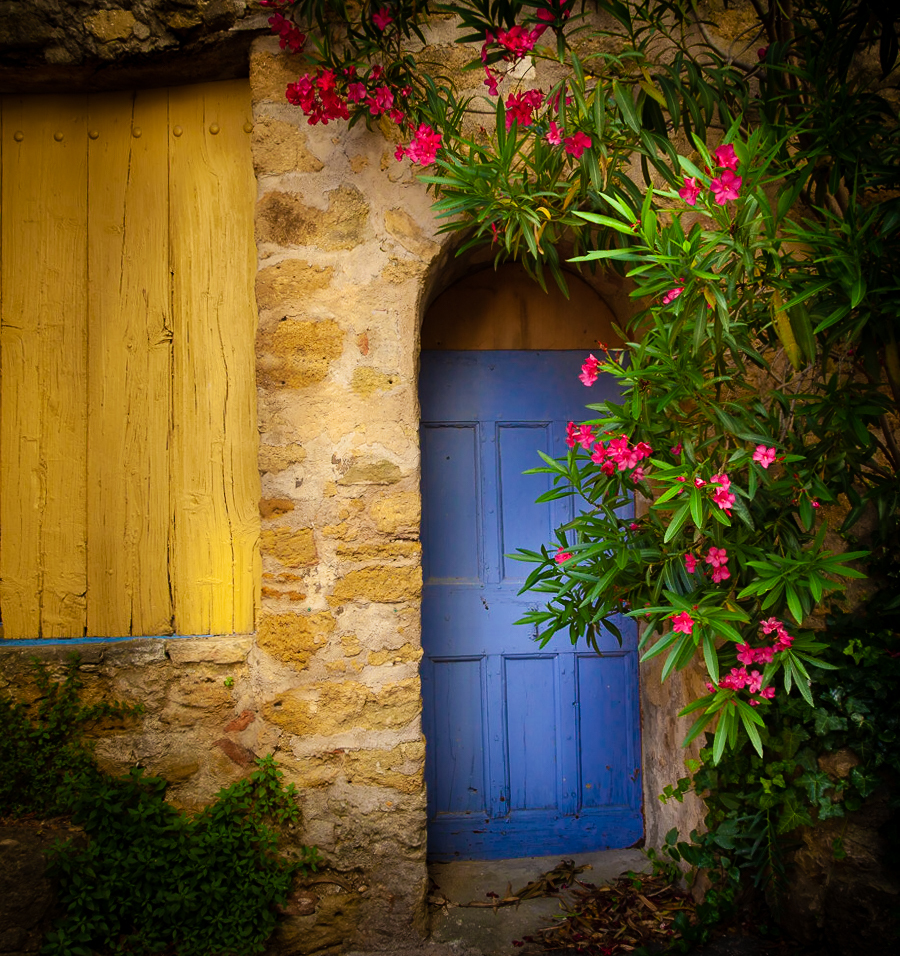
column 43, row 429
column 215, row 566
column 129, row 365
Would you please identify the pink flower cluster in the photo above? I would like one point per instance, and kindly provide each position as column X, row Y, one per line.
column 318, row 97
column 288, row 33
column 561, row 555
column 740, row 678
column 422, row 148
column 589, row 370
column 724, row 187
column 673, row 294
column 722, row 496
column 520, row 107
column 683, row 623
column 382, row 18
column 718, row 558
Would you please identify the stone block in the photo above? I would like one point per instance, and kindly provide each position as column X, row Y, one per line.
column 209, row 650
column 290, row 547
column 384, row 550
column 109, row 25
column 362, row 472
column 298, row 353
column 274, row 507
column 279, row 147
column 367, row 381
column 294, row 638
column 410, row 234
column 397, row 514
column 347, row 705
column 290, row 281
column 405, row 654
column 385, row 585
column 275, row 458
column 270, row 74
column 284, row 219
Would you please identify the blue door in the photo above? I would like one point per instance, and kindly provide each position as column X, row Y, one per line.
column 529, row 751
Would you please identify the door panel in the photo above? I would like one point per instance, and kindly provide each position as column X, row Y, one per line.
column 530, row 751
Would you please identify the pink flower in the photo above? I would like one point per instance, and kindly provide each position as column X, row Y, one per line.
column 690, row 191
column 726, row 158
column 764, row 456
column 599, row 453
column 725, row 187
column 672, row 295
column 356, row 92
column 520, row 107
column 736, row 680
column 490, row 81
column 754, row 682
column 683, row 622
column 722, row 480
column 589, row 370
column 380, row 101
column 690, row 563
column 423, row 146
column 720, row 574
column 608, row 468
column 289, row 34
column 554, row 135
column 699, row 482
column 584, row 436
column 771, row 624
column 676, row 450
column 638, row 474
column 577, row 144
column 570, row 434
column 382, row 18
column 746, row 654
column 561, row 555
column 767, row 692
column 724, row 500
column 717, row 557
column 518, row 40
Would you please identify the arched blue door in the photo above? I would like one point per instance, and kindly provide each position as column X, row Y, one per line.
column 529, row 751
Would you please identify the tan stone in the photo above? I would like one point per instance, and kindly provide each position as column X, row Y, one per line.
column 400, row 769
column 345, row 531
column 174, row 769
column 383, row 550
column 409, row 234
column 396, row 514
column 270, row 74
column 298, row 353
column 351, row 645
column 367, row 380
column 381, row 472
column 284, row 219
column 291, row 547
column 347, row 705
column 274, row 507
column 402, row 270
column 274, row 458
column 294, row 638
column 291, row 280
column 279, row 147
column 109, row 25
column 209, row 650
column 405, row 654
column 384, row 585
column 192, row 700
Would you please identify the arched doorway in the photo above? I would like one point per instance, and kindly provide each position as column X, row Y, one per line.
column 530, row 751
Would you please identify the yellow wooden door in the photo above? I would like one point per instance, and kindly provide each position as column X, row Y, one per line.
column 128, row 479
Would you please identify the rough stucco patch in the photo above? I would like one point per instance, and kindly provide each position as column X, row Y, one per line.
column 290, row 280
column 279, row 147
column 294, row 638
column 297, row 354
column 381, row 472
column 397, row 513
column 274, row 458
column 367, row 380
column 283, row 219
column 384, row 585
column 400, row 768
column 348, row 705
column 290, row 547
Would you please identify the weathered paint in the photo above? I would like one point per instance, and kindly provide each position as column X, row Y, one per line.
column 129, row 487
column 531, row 751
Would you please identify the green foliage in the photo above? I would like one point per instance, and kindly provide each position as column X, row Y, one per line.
column 43, row 746
column 150, row 878
column 153, row 878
